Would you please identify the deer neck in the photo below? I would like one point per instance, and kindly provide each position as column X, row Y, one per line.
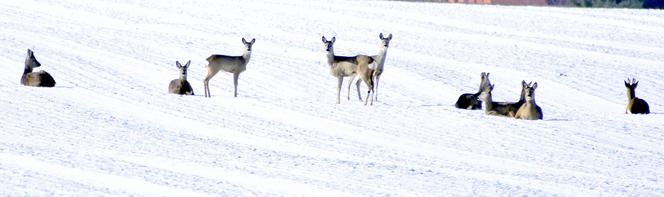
column 482, row 84
column 631, row 94
column 530, row 101
column 246, row 56
column 488, row 103
column 330, row 57
column 523, row 96
column 27, row 69
column 183, row 77
column 381, row 55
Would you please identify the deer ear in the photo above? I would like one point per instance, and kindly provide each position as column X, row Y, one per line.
column 523, row 83
column 187, row 64
column 324, row 40
column 626, row 84
column 244, row 41
column 635, row 84
column 535, row 85
column 253, row 40
column 177, row 63
column 333, row 39
column 389, row 37
column 380, row 36
column 29, row 52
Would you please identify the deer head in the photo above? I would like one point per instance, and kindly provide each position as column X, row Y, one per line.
column 183, row 69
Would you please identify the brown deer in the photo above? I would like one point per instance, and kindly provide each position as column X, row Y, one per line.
column 231, row 64
column 181, row 86
column 36, row 79
column 471, row 100
column 366, row 74
column 513, row 107
column 491, row 107
column 635, row 105
column 529, row 110
column 379, row 65
column 343, row 66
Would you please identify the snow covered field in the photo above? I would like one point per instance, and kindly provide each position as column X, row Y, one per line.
column 110, row 128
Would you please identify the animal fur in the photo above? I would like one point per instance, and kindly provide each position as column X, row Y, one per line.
column 347, row 66
column 378, row 69
column 529, row 110
column 366, row 74
column 635, row 105
column 36, row 79
column 491, row 107
column 181, row 86
column 471, row 100
column 513, row 107
column 231, row 64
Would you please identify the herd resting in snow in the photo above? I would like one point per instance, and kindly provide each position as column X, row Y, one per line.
column 367, row 68
column 526, row 108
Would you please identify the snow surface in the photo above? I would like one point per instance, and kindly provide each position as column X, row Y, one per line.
column 110, row 128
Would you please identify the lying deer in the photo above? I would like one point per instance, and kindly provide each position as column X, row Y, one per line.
column 470, row 100
column 635, row 105
column 513, row 107
column 529, row 110
column 181, row 86
column 491, row 107
column 36, row 79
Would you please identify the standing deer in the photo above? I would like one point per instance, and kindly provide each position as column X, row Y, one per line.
column 378, row 70
column 181, row 86
column 529, row 110
column 491, row 107
column 635, row 105
column 231, row 64
column 342, row 66
column 36, row 79
column 366, row 74
column 470, row 100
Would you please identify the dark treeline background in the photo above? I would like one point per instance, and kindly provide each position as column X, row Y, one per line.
column 657, row 4
column 614, row 3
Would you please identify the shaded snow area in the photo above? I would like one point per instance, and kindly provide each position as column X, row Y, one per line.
column 109, row 127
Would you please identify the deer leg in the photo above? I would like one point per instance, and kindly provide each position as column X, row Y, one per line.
column 236, row 76
column 376, row 88
column 352, row 77
column 206, row 81
column 205, row 87
column 369, row 84
column 357, row 85
column 373, row 92
column 339, row 83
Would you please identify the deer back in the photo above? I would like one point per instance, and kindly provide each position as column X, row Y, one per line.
column 38, row 79
column 232, row 64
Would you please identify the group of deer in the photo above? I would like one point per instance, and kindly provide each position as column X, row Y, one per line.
column 216, row 63
column 350, row 66
column 340, row 67
column 232, row 64
column 526, row 108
